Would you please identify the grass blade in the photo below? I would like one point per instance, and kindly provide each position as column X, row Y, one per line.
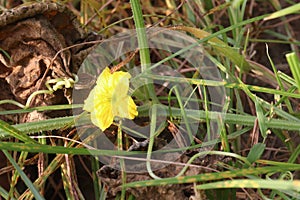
column 219, row 45
column 255, row 152
column 261, row 118
column 23, row 176
column 19, row 130
column 241, row 183
column 294, row 64
column 14, row 132
column 286, row 11
column 215, row 176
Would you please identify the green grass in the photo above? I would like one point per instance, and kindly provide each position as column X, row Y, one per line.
column 255, row 122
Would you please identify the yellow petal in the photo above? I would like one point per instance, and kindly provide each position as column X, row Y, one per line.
column 120, row 107
column 89, row 102
column 121, row 82
column 103, row 82
column 103, row 116
column 125, row 108
column 104, row 77
column 121, row 87
column 109, row 98
column 132, row 109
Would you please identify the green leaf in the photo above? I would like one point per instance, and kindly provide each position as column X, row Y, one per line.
column 16, row 133
column 33, row 127
column 256, row 152
column 294, row 64
column 40, row 108
column 255, row 183
column 261, row 118
column 283, row 12
column 23, row 176
column 216, row 175
column 220, row 46
column 41, row 148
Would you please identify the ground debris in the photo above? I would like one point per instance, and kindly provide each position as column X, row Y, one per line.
column 30, row 38
column 111, row 178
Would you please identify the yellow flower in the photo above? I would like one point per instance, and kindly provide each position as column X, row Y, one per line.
column 109, row 98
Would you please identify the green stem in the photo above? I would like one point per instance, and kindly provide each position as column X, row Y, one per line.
column 25, row 179
column 30, row 98
column 143, row 45
column 151, row 142
column 12, row 102
column 293, row 61
column 122, row 163
column 141, row 34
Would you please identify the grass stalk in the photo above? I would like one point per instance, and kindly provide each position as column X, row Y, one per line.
column 143, row 45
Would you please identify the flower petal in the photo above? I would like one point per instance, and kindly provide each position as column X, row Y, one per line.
column 125, row 108
column 132, row 108
column 103, row 116
column 121, row 83
column 89, row 102
column 104, row 77
column 103, row 82
column 109, row 98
